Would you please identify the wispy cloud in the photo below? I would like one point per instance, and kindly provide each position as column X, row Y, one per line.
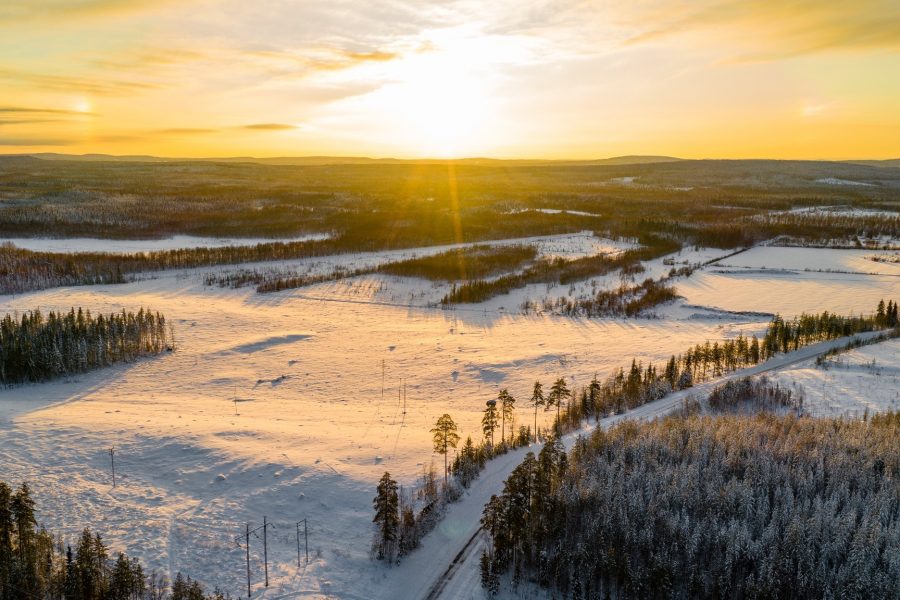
column 35, row 141
column 310, row 60
column 55, row 10
column 26, row 121
column 27, row 110
column 268, row 127
column 186, row 131
column 65, row 83
column 776, row 29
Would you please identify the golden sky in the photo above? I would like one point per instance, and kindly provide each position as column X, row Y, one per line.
column 403, row 78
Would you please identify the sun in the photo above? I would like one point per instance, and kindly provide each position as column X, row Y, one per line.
column 438, row 102
column 444, row 110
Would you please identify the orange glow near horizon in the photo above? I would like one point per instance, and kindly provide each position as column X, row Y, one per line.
column 212, row 78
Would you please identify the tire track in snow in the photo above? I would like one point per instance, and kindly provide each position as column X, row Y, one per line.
column 458, row 561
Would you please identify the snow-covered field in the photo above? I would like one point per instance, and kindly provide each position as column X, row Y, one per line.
column 852, row 383
column 793, row 280
column 809, row 259
column 272, row 405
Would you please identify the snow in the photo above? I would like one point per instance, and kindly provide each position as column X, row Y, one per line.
column 219, row 406
column 865, row 379
column 272, row 406
column 839, row 211
column 793, row 280
column 416, row 576
column 810, row 259
column 175, row 242
column 836, row 181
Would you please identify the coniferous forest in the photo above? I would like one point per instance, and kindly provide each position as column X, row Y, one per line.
column 37, row 348
column 726, row 507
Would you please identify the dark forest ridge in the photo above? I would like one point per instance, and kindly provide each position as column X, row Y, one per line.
column 633, row 159
column 351, row 160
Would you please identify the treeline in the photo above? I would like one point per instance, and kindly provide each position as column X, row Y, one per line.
column 840, row 228
column 35, row 565
column 784, row 336
column 26, row 270
column 452, row 265
column 625, row 301
column 707, row 508
column 559, row 270
column 465, row 263
column 38, row 348
column 628, row 388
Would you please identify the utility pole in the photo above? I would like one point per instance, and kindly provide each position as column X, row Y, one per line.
column 266, row 550
column 265, row 526
column 112, row 462
column 248, row 559
column 382, row 380
column 306, row 538
column 404, row 397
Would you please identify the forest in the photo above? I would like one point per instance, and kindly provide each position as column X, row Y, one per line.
column 748, row 507
column 37, row 348
column 374, row 207
column 37, row 565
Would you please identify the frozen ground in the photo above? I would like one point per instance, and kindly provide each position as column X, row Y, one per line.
column 793, row 280
column 312, row 433
column 852, row 383
column 273, row 406
column 132, row 246
column 809, row 259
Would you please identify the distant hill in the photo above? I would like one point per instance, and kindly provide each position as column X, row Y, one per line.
column 355, row 160
column 892, row 163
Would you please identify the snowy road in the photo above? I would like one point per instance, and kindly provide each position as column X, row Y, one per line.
column 446, row 566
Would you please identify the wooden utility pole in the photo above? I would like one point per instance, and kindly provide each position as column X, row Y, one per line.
column 247, row 545
column 266, row 550
column 112, row 462
column 306, row 540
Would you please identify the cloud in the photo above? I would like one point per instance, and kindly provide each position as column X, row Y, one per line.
column 34, row 141
column 26, row 110
column 773, row 29
column 60, row 10
column 26, row 121
column 63, row 83
column 305, row 61
column 186, row 131
column 269, row 126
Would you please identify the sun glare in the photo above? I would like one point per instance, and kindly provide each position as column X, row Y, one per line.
column 439, row 100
